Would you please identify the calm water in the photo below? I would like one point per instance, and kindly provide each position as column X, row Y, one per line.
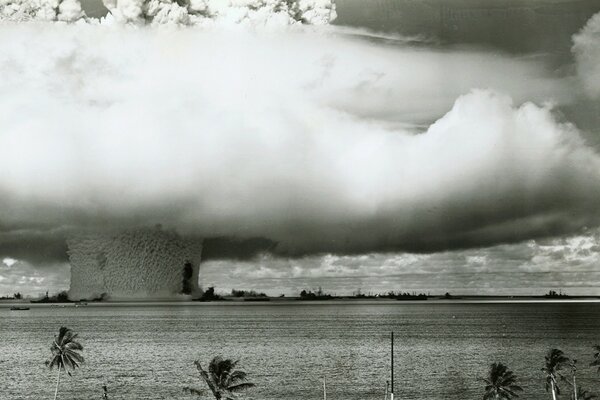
column 147, row 352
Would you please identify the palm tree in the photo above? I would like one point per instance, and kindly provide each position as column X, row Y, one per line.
column 596, row 362
column 501, row 383
column 65, row 353
column 555, row 359
column 584, row 395
column 573, row 365
column 222, row 379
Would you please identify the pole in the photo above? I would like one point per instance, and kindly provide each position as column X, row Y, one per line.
column 392, row 386
column 324, row 390
column 574, row 368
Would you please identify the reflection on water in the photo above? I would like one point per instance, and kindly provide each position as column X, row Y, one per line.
column 441, row 349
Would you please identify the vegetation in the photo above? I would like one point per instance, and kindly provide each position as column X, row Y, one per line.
column 16, row 296
column 555, row 360
column 584, row 395
column 319, row 294
column 222, row 378
column 501, row 383
column 596, row 361
column 65, row 354
column 61, row 297
column 247, row 293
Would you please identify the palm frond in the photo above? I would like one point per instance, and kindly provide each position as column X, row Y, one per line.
column 240, row 386
column 500, row 383
column 596, row 361
column 235, row 377
column 223, row 378
column 585, row 395
column 193, row 391
column 65, row 350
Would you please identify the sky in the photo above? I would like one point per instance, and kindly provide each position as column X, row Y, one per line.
column 414, row 146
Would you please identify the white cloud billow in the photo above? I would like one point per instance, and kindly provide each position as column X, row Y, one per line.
column 209, row 12
column 182, row 12
column 586, row 47
column 306, row 138
column 40, row 10
column 9, row 262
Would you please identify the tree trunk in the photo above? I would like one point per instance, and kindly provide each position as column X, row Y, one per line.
column 215, row 391
column 57, row 382
column 575, row 387
column 553, row 390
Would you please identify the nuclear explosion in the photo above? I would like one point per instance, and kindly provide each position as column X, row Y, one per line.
column 143, row 263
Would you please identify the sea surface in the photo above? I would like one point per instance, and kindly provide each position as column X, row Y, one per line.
column 441, row 350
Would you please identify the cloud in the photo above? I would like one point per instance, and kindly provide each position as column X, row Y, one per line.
column 33, row 280
column 586, row 48
column 218, row 12
column 9, row 262
column 308, row 140
column 536, row 266
column 255, row 13
column 41, row 10
column 526, row 268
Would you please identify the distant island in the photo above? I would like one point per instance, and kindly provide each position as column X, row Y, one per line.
column 16, row 296
column 306, row 295
column 320, row 295
column 63, row 297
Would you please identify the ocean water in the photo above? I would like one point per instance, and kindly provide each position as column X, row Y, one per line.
column 147, row 352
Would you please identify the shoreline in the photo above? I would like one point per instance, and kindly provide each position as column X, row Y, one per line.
column 294, row 301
